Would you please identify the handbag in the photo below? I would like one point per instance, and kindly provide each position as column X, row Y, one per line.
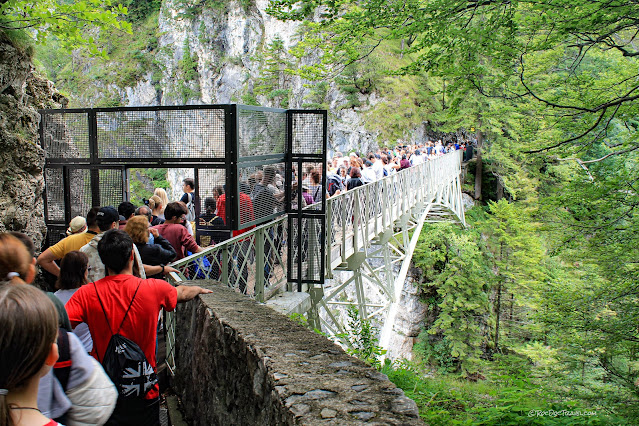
column 92, row 401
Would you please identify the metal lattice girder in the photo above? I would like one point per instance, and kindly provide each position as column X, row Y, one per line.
column 369, row 234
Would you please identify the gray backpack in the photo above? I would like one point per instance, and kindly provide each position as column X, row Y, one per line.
column 190, row 207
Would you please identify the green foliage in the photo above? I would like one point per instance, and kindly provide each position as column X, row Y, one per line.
column 188, row 63
column 142, row 183
column 316, row 99
column 274, row 80
column 361, row 339
column 188, row 86
column 67, row 22
column 436, row 352
column 140, row 10
column 190, row 9
column 510, row 396
column 131, row 56
column 455, row 281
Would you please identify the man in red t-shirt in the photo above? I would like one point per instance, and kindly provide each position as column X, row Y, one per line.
column 116, row 292
column 175, row 233
column 246, row 209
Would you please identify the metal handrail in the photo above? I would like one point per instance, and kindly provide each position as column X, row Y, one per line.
column 353, row 219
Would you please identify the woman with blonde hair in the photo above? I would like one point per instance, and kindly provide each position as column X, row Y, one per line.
column 16, row 264
column 161, row 252
column 157, row 210
column 161, row 193
column 28, row 350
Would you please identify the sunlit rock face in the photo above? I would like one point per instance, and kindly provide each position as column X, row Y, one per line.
column 226, row 42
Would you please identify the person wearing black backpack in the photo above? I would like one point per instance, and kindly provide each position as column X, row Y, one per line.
column 121, row 311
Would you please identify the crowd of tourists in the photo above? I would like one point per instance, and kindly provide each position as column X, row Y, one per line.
column 355, row 170
column 87, row 354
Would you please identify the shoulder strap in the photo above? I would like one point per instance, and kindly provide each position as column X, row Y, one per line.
column 129, row 308
column 125, row 314
column 62, row 367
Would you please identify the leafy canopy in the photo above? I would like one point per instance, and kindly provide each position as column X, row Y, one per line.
column 67, row 21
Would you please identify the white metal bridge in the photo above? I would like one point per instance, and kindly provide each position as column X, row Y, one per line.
column 371, row 231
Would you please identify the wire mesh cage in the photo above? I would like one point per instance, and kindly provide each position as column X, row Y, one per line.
column 65, row 135
column 265, row 187
column 184, row 134
column 241, row 159
column 307, row 132
column 261, row 132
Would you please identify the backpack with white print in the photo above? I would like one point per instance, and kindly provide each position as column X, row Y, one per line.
column 125, row 362
column 190, row 208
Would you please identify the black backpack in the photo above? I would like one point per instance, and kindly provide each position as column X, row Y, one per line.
column 125, row 362
column 333, row 183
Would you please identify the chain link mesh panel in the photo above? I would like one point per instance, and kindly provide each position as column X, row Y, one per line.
column 261, row 132
column 211, row 225
column 80, row 191
column 65, row 135
column 307, row 133
column 54, row 183
column 264, row 186
column 252, row 263
column 111, row 190
column 181, row 134
column 307, row 248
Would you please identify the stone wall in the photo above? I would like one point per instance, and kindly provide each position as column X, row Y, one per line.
column 239, row 362
column 21, row 158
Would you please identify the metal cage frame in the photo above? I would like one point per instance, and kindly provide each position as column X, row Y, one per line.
column 89, row 154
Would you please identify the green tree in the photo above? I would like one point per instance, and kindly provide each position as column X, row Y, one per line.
column 63, row 20
column 517, row 263
column 274, row 79
column 456, row 282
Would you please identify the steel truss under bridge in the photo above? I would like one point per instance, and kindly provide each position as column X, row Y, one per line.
column 371, row 231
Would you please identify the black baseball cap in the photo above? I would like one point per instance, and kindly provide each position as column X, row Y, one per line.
column 107, row 215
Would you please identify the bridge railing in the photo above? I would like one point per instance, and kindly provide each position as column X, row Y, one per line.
column 254, row 263
column 356, row 217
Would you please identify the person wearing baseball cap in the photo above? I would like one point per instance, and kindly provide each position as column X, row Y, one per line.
column 75, row 241
column 78, row 225
column 108, row 218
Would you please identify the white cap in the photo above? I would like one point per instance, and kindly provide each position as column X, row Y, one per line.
column 78, row 225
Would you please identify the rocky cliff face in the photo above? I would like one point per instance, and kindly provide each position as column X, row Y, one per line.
column 22, row 93
column 225, row 44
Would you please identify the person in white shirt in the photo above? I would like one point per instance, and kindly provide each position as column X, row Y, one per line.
column 378, row 166
column 417, row 158
column 368, row 174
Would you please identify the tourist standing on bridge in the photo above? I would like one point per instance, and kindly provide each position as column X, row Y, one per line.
column 107, row 218
column 121, row 303
column 159, row 252
column 73, row 275
column 175, row 232
column 47, row 259
column 161, row 193
column 355, row 179
column 368, row 174
column 157, row 210
column 77, row 225
column 315, row 186
column 126, row 210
